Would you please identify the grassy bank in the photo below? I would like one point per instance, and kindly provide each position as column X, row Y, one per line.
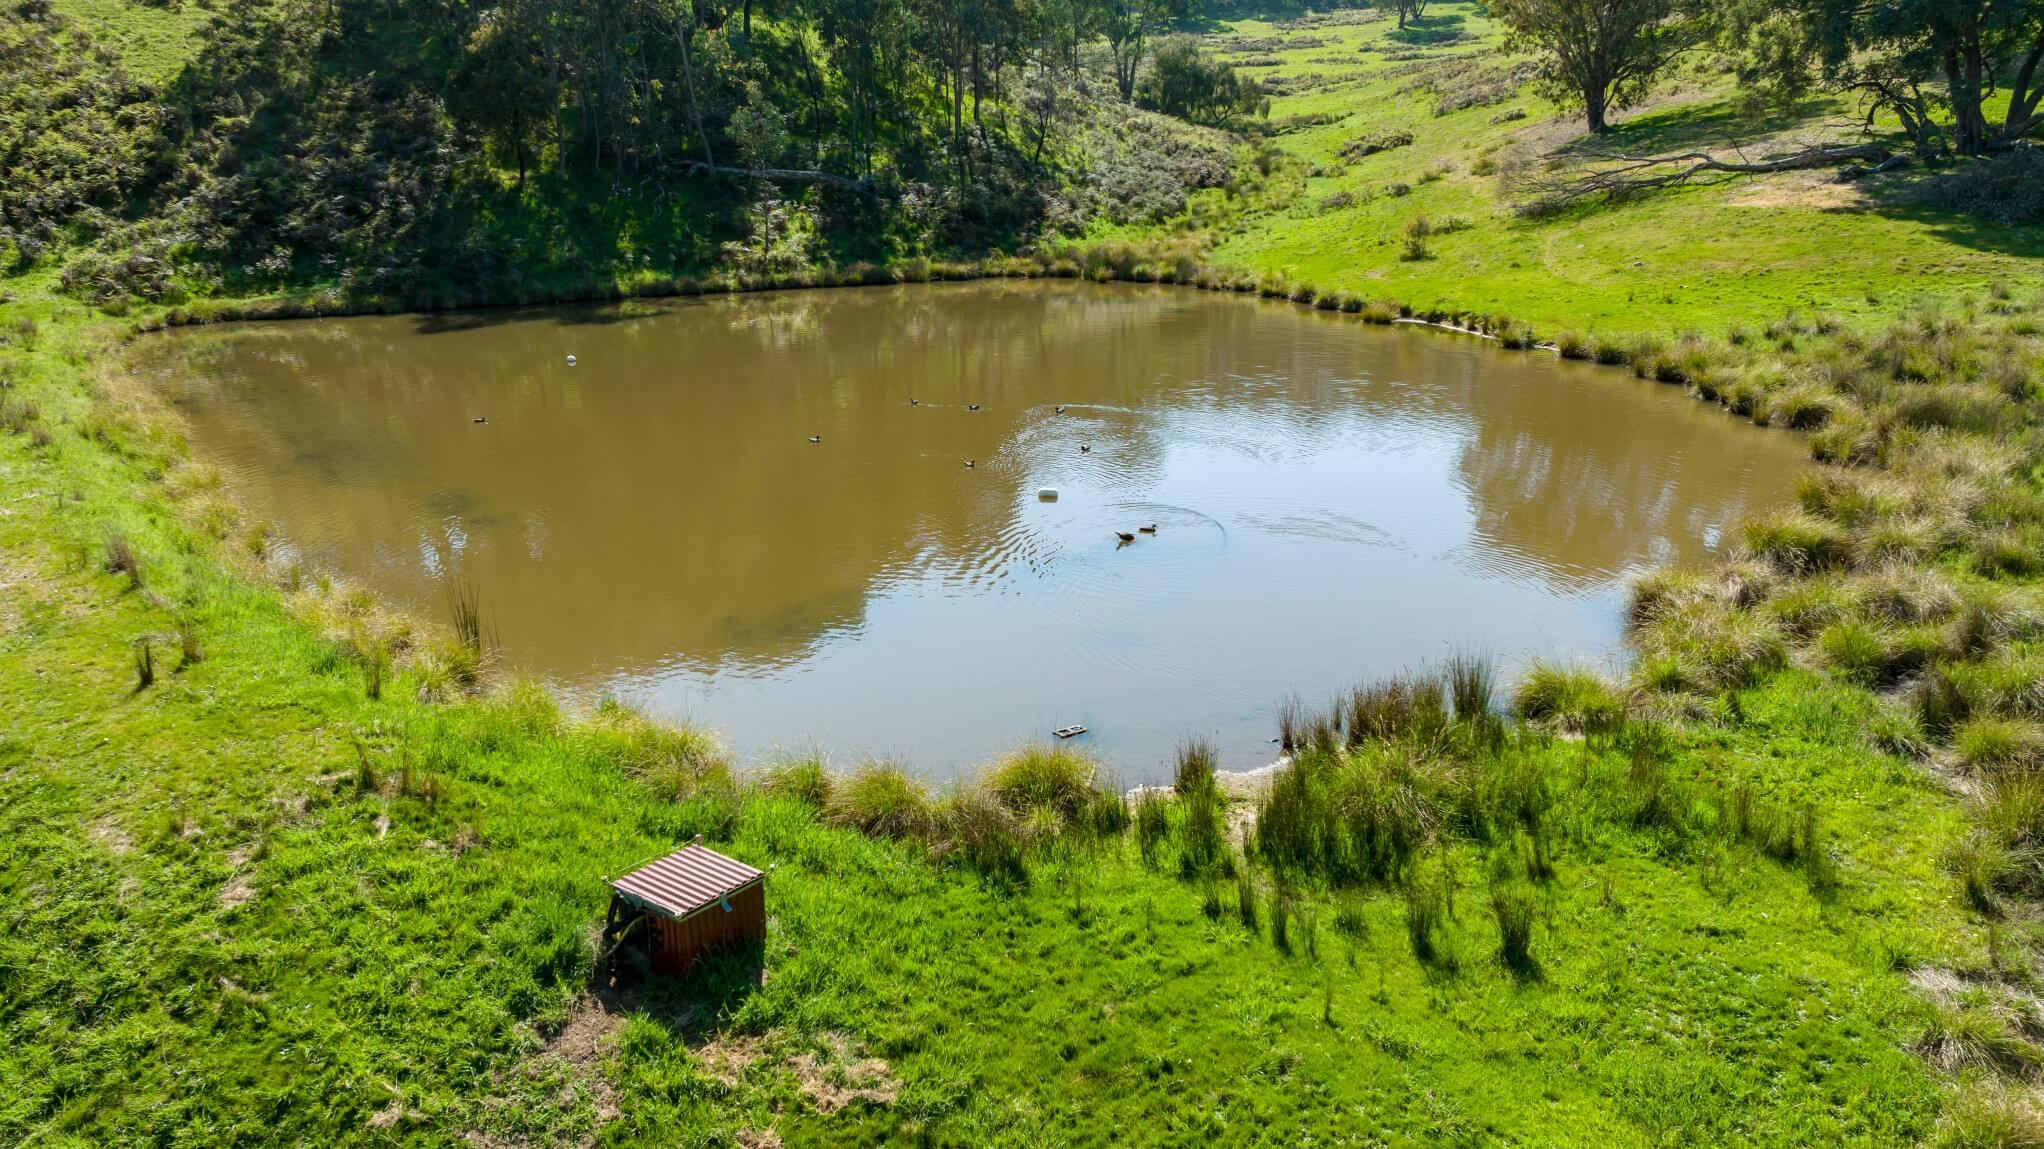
column 1467, row 135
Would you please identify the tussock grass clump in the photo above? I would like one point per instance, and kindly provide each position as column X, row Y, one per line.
column 1801, row 407
column 375, row 670
column 1904, row 595
column 1409, row 706
column 1041, row 777
column 123, row 558
column 1662, row 591
column 1993, row 1117
column 1291, row 723
column 1851, row 498
column 979, row 831
column 2010, row 807
column 1572, row 345
column 1990, row 743
column 881, row 800
column 2008, row 682
column 676, row 761
column 806, row 780
column 2011, row 552
column 1203, row 836
column 1351, row 818
column 1972, row 1037
column 1611, row 352
column 1472, row 681
column 1983, row 863
column 1153, row 825
column 1423, row 918
column 1281, row 918
column 1715, row 645
column 145, row 663
column 1806, row 608
column 1989, row 618
column 1795, row 541
column 1654, row 798
column 1873, row 654
column 1571, row 698
column 1515, row 911
column 1349, row 920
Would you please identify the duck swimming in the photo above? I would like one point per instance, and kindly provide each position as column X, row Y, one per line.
column 1124, row 536
column 478, row 419
column 972, row 406
column 1149, row 530
column 1060, row 408
column 816, row 438
column 968, row 464
column 1084, row 449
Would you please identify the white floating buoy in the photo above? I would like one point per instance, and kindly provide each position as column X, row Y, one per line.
column 571, row 360
column 1047, row 494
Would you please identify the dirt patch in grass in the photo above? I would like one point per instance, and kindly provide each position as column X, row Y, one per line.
column 238, row 892
column 840, row 1074
column 587, row 1035
column 13, row 590
column 724, row 1058
column 1817, row 189
column 572, row 1060
column 111, row 837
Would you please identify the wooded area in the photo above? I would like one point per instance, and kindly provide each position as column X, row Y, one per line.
column 364, row 141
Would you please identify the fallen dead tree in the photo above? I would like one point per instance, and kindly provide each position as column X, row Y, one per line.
column 1614, row 176
column 781, row 175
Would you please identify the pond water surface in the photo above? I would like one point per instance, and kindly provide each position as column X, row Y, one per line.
column 1332, row 501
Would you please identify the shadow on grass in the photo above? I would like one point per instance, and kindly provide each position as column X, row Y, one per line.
column 1910, row 198
column 1717, row 123
column 1425, row 31
column 693, row 1006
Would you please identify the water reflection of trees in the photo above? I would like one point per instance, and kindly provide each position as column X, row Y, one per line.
column 1583, row 472
column 661, row 499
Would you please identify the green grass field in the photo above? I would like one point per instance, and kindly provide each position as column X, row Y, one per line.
column 1744, row 250
column 299, row 883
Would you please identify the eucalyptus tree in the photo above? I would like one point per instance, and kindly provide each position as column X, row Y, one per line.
column 1599, row 55
column 1939, row 66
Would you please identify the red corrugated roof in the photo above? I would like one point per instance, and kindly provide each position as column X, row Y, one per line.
column 687, row 880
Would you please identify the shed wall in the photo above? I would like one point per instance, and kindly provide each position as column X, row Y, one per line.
column 676, row 945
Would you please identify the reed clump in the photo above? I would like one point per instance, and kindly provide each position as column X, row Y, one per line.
column 1193, row 769
column 121, row 557
column 1515, row 910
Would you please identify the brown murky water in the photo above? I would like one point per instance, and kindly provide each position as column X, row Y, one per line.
column 1332, row 501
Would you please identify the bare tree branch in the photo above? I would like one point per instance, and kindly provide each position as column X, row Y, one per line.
column 780, row 175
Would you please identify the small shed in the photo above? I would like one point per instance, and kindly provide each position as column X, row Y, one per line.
column 691, row 902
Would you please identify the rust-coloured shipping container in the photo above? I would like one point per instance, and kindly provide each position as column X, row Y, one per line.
column 688, row 903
